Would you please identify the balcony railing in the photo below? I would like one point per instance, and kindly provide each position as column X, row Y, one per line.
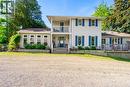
column 60, row 29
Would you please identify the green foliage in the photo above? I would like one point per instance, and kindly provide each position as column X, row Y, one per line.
column 14, row 42
column 87, row 48
column 11, row 46
column 103, row 11
column 120, row 19
column 35, row 46
column 92, row 48
column 1, row 46
column 28, row 14
column 3, row 31
column 80, row 48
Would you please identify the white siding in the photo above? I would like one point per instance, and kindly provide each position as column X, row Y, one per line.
column 86, row 31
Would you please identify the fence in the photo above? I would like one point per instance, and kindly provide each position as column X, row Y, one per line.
column 116, row 47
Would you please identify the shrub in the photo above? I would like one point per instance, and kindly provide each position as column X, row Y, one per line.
column 45, row 43
column 14, row 42
column 11, row 46
column 87, row 48
column 40, row 46
column 1, row 46
column 35, row 46
column 3, row 35
column 80, row 48
column 93, row 48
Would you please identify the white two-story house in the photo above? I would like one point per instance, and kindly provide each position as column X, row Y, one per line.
column 73, row 31
column 67, row 32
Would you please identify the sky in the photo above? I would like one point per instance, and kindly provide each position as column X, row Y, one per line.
column 69, row 7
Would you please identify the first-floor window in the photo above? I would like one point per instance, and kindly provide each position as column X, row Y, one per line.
column 45, row 40
column 39, row 39
column 32, row 39
column 103, row 41
column 93, row 41
column 25, row 41
column 120, row 40
column 79, row 40
column 115, row 40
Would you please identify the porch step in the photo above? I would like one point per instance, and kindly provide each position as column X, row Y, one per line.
column 60, row 50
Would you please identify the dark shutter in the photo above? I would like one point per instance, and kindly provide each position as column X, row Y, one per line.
column 76, row 22
column 82, row 40
column 89, row 41
column 118, row 40
column 110, row 41
column 89, row 22
column 96, row 22
column 121, row 40
column 96, row 41
column 76, row 40
column 83, row 23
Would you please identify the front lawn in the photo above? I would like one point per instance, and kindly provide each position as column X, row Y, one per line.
column 87, row 56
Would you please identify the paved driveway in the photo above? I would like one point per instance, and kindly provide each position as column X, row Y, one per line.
column 62, row 71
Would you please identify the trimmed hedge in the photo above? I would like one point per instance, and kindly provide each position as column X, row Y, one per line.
column 87, row 48
column 35, row 46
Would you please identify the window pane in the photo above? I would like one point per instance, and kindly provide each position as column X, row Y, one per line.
column 25, row 41
column 93, row 41
column 112, row 40
column 45, row 36
column 38, row 36
column 38, row 42
column 93, row 22
column 31, row 42
column 79, row 40
column 80, row 22
column 116, row 41
column 25, row 35
column 103, row 41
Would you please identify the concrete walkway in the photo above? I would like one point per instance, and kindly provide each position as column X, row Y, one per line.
column 62, row 71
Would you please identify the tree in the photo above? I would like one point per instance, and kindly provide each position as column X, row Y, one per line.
column 120, row 20
column 103, row 11
column 28, row 14
column 3, row 31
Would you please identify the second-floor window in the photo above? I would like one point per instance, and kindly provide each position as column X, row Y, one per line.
column 93, row 22
column 79, row 22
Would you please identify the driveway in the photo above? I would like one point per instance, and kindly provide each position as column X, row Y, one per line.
column 62, row 71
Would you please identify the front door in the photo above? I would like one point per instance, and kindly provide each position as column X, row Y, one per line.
column 61, row 42
column 62, row 26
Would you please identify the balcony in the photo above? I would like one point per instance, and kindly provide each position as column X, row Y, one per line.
column 61, row 29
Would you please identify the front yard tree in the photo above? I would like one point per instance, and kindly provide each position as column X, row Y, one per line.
column 28, row 14
column 103, row 11
column 3, row 31
column 120, row 20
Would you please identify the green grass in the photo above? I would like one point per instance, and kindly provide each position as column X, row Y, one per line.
column 87, row 56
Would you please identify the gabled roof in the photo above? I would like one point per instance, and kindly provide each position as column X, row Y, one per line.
column 72, row 17
column 114, row 34
column 34, row 30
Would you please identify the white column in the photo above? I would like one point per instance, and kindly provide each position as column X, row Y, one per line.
column 70, row 35
column 51, row 38
column 28, row 39
column 35, row 38
column 22, row 41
